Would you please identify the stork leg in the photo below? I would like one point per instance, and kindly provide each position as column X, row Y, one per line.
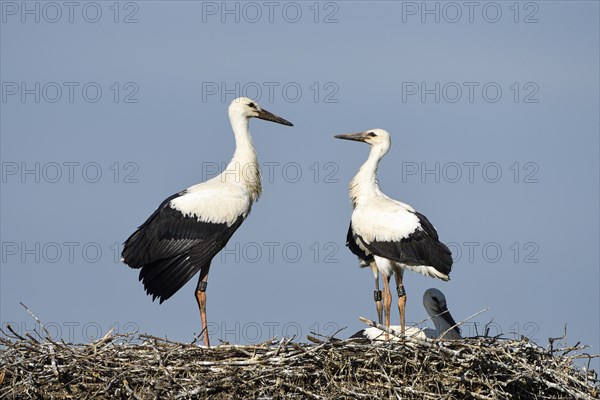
column 201, row 298
column 377, row 293
column 387, row 302
column 401, row 298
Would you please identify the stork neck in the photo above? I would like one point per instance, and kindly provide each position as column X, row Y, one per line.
column 441, row 325
column 243, row 167
column 244, row 148
column 365, row 184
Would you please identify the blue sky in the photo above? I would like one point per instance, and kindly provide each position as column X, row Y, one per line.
column 493, row 113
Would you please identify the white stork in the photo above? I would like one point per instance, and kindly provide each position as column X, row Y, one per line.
column 388, row 235
column 189, row 228
column 435, row 304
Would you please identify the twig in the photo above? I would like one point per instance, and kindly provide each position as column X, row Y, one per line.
column 463, row 321
column 48, row 335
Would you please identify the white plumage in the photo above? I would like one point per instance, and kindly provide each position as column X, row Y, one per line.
column 383, row 219
column 205, row 202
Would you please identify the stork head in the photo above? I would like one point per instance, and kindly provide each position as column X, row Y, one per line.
column 377, row 138
column 243, row 107
column 434, row 302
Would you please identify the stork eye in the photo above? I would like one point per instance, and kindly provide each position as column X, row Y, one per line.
column 252, row 105
column 371, row 134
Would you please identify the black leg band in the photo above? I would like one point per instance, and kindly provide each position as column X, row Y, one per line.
column 377, row 295
column 401, row 291
column 202, row 286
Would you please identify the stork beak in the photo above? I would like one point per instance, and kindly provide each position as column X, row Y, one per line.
column 267, row 116
column 358, row 137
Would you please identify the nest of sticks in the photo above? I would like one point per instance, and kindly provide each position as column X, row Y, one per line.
column 145, row 367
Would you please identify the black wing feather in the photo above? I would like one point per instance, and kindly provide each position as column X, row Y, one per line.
column 421, row 247
column 351, row 239
column 427, row 226
column 170, row 248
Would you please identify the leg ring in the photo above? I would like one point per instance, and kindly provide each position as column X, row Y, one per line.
column 401, row 291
